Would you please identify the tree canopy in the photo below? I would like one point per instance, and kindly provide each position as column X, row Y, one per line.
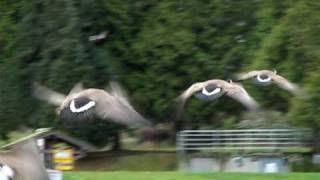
column 156, row 49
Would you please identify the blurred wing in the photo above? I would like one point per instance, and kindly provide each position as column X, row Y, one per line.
column 190, row 91
column 285, row 84
column 118, row 110
column 182, row 99
column 117, row 92
column 5, row 157
column 240, row 94
column 243, row 76
column 45, row 94
column 76, row 88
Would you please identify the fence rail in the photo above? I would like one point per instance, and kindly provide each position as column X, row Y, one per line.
column 258, row 139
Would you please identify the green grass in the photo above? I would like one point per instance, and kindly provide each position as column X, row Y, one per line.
column 128, row 161
column 119, row 175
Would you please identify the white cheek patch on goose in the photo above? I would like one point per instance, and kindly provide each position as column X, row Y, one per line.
column 6, row 173
column 215, row 91
column 263, row 80
column 83, row 108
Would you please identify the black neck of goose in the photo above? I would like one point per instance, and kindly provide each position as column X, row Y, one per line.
column 264, row 76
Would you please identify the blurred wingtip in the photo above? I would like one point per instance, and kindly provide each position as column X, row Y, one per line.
column 300, row 93
column 237, row 76
column 240, row 75
column 36, row 86
column 38, row 90
column 116, row 89
column 46, row 94
column 141, row 123
column 255, row 108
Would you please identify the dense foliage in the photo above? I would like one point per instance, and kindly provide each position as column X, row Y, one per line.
column 156, row 49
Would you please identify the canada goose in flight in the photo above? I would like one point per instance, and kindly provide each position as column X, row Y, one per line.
column 82, row 104
column 213, row 89
column 22, row 162
column 266, row 77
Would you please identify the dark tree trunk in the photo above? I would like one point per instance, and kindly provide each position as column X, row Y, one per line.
column 116, row 142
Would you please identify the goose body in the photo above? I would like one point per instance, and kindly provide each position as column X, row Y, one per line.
column 267, row 77
column 213, row 89
column 83, row 104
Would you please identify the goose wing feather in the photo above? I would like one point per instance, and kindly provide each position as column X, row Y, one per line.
column 238, row 93
column 285, row 84
column 117, row 109
column 76, row 89
column 190, row 91
column 182, row 99
column 45, row 94
column 247, row 75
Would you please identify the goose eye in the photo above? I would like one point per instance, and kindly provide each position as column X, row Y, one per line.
column 210, row 92
column 263, row 80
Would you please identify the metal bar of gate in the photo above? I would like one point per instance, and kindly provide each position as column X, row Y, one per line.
column 242, row 139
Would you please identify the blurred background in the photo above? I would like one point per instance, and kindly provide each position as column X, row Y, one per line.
column 156, row 49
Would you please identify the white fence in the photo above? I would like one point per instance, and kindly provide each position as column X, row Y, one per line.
column 247, row 139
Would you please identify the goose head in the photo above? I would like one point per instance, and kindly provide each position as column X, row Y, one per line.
column 209, row 92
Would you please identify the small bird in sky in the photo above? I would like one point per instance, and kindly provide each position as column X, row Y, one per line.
column 99, row 37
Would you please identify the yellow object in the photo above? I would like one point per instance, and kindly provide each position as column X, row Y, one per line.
column 63, row 159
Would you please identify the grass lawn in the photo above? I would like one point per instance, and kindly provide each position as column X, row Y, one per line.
column 119, row 175
column 127, row 161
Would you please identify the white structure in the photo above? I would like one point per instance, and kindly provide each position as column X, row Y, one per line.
column 250, row 150
column 55, row 174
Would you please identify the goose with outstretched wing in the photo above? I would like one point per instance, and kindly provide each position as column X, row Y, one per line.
column 266, row 77
column 82, row 104
column 22, row 162
column 213, row 89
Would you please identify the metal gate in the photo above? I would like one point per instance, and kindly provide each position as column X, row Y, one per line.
column 239, row 141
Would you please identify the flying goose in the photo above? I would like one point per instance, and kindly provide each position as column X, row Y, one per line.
column 22, row 162
column 266, row 77
column 83, row 104
column 213, row 89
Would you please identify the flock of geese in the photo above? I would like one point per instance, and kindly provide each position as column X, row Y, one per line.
column 112, row 104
